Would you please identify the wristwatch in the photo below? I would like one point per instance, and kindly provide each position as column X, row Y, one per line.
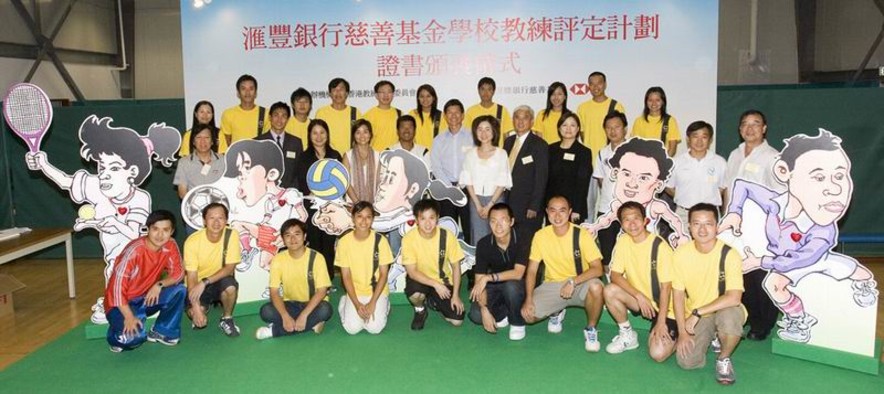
column 205, row 281
column 696, row 313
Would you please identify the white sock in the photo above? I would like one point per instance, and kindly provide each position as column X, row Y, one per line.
column 418, row 309
column 625, row 326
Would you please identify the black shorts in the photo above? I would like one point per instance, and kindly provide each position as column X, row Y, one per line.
column 212, row 293
column 434, row 302
column 671, row 324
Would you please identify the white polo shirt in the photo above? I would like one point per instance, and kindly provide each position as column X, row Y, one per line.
column 697, row 181
column 757, row 167
column 602, row 170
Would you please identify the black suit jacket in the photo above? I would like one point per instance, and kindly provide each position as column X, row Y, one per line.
column 529, row 173
column 292, row 149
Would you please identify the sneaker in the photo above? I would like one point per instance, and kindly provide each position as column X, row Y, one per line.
column 503, row 323
column 796, row 329
column 591, row 335
column 554, row 325
column 116, row 349
column 517, row 333
column 419, row 319
column 865, row 292
column 229, row 327
column 264, row 332
column 715, row 346
column 724, row 371
column 625, row 340
column 98, row 316
column 153, row 336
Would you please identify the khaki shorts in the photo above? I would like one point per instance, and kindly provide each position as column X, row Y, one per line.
column 548, row 299
column 728, row 321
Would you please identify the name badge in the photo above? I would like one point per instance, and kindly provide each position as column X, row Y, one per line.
column 205, row 170
column 711, row 179
column 752, row 167
column 289, row 154
column 527, row 160
column 569, row 156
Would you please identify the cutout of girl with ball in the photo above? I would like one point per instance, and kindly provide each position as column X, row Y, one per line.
column 115, row 206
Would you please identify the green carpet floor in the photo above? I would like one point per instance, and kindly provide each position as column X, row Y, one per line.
column 440, row 358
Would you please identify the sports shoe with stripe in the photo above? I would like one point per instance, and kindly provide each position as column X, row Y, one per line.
column 554, row 325
column 724, row 371
column 153, row 336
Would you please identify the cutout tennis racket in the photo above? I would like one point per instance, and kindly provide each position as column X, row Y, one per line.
column 28, row 112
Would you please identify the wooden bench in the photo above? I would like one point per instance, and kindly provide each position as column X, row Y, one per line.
column 37, row 240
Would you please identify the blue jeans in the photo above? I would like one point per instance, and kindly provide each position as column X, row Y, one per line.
column 322, row 313
column 504, row 300
column 170, row 305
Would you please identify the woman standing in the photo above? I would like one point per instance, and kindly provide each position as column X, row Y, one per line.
column 570, row 167
column 203, row 114
column 430, row 121
column 485, row 174
column 362, row 162
column 656, row 123
column 318, row 148
column 546, row 123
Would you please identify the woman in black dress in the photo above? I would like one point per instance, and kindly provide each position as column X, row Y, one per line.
column 317, row 148
column 570, row 167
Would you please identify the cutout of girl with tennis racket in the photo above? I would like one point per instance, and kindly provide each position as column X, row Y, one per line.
column 115, row 205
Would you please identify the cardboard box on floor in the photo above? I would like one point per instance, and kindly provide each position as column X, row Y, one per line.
column 8, row 285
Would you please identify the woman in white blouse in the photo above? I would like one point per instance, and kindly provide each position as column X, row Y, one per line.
column 485, row 174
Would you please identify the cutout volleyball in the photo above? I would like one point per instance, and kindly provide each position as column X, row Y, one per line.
column 328, row 179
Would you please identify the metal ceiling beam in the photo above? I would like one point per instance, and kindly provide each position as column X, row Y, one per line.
column 873, row 48
column 42, row 53
column 805, row 23
column 76, row 56
column 46, row 44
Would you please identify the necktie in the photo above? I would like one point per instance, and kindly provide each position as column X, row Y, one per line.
column 279, row 140
column 515, row 152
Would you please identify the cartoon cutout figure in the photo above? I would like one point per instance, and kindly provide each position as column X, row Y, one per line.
column 114, row 205
column 640, row 170
column 801, row 227
column 404, row 180
column 260, row 206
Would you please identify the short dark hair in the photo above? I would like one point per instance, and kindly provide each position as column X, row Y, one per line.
column 361, row 206
column 337, row 81
column 262, row 152
column 554, row 196
column 754, row 112
column 645, row 148
column 453, row 103
column 699, row 125
column 425, row 204
column 214, row 205
column 502, row 206
column 158, row 216
column 615, row 115
column 801, row 144
column 300, row 93
column 383, row 82
column 565, row 116
column 598, row 74
column 280, row 105
column 703, row 207
column 487, row 81
column 405, row 118
column 286, row 225
column 495, row 129
column 246, row 78
column 630, row 205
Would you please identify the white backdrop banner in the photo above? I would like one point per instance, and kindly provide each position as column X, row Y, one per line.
column 523, row 45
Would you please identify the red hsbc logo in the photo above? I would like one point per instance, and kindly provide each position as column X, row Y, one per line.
column 580, row 89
